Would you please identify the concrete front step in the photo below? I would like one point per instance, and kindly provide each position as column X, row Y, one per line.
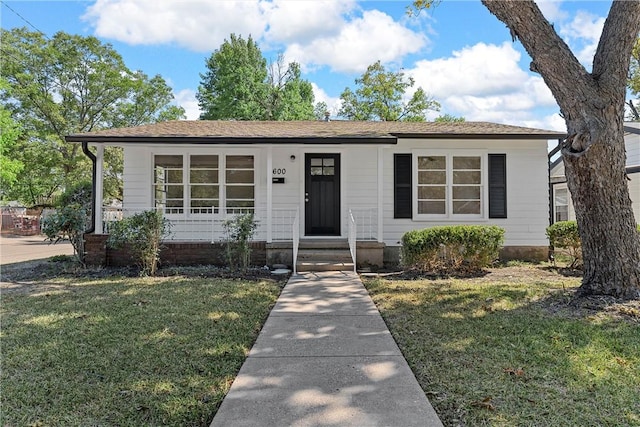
column 323, row 266
column 324, row 255
column 334, row 255
column 324, row 244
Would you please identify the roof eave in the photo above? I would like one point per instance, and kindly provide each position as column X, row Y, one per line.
column 227, row 140
column 479, row 136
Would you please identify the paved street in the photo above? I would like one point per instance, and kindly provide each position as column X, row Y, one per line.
column 27, row 248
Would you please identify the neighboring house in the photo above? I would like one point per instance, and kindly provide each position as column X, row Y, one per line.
column 333, row 180
column 562, row 204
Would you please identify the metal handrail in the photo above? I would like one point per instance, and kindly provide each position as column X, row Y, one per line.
column 352, row 238
column 366, row 222
column 295, row 232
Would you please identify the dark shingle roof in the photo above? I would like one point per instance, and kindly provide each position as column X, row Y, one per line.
column 212, row 132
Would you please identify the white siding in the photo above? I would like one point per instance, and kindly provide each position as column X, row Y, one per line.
column 634, row 192
column 287, row 195
column 527, row 196
column 632, row 147
column 527, row 190
column 137, row 176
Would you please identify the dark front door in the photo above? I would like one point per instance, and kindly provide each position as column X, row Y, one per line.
column 322, row 194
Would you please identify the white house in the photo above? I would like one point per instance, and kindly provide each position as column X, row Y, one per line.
column 562, row 204
column 335, row 181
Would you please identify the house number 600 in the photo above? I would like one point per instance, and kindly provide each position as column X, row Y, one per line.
column 279, row 171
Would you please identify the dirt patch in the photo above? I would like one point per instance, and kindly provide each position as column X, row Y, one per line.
column 517, row 273
column 566, row 303
column 562, row 302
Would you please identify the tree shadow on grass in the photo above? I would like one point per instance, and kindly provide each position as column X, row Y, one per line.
column 490, row 353
column 134, row 351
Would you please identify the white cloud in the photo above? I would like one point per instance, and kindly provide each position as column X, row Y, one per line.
column 360, row 42
column 551, row 122
column 469, row 71
column 186, row 98
column 551, row 9
column 302, row 21
column 498, row 90
column 196, row 24
column 582, row 34
column 315, row 33
column 320, row 95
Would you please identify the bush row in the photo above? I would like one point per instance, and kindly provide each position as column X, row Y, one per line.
column 452, row 248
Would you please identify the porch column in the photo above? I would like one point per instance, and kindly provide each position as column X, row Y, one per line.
column 380, row 188
column 269, row 193
column 99, row 187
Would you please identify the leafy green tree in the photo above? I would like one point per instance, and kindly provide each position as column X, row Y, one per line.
column 289, row 96
column 70, row 84
column 233, row 86
column 10, row 133
column 380, row 96
column 240, row 85
column 320, row 111
column 448, row 118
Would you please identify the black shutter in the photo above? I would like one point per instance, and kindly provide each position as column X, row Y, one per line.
column 497, row 185
column 402, row 191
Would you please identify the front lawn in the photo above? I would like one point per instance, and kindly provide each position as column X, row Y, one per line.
column 126, row 351
column 510, row 348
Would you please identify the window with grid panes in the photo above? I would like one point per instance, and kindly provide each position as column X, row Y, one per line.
column 466, row 185
column 204, row 187
column 449, row 185
column 562, row 204
column 168, row 183
column 239, row 183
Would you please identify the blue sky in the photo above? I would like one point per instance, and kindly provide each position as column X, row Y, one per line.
column 458, row 52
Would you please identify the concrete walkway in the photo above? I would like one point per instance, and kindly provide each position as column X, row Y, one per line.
column 325, row 358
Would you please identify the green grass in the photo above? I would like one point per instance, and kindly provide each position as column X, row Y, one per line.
column 126, row 351
column 508, row 351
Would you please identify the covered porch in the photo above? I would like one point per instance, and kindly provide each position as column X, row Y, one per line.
column 282, row 229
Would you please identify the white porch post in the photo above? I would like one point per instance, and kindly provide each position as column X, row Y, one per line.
column 380, row 191
column 99, row 187
column 269, row 194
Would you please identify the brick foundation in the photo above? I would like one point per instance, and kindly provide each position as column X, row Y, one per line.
column 95, row 248
column 173, row 253
column 524, row 253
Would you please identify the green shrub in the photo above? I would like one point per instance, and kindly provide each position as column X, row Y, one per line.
column 68, row 223
column 239, row 231
column 143, row 234
column 452, row 248
column 77, row 194
column 565, row 240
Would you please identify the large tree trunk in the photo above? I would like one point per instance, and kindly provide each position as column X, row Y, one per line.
column 599, row 189
column 594, row 155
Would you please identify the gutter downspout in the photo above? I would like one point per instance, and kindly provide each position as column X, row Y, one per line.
column 92, row 157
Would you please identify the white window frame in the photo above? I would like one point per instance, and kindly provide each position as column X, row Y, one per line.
column 154, row 186
column 222, row 184
column 556, row 205
column 448, row 215
column 188, row 184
